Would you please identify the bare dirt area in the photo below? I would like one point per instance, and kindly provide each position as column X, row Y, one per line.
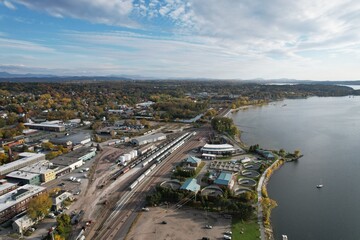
column 179, row 224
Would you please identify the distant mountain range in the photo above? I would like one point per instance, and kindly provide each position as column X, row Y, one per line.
column 30, row 77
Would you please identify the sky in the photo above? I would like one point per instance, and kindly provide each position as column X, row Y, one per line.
column 221, row 39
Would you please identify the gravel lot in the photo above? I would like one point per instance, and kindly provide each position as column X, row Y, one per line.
column 181, row 224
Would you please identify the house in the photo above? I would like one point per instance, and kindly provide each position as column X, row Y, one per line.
column 190, row 185
column 21, row 224
column 193, row 161
column 225, row 179
column 59, row 198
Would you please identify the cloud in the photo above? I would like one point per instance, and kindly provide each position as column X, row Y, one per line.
column 8, row 5
column 6, row 43
column 209, row 38
column 111, row 12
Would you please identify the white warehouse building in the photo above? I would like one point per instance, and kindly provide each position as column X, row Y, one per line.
column 148, row 139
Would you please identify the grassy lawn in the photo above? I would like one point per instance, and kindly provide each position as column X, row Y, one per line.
column 198, row 169
column 249, row 228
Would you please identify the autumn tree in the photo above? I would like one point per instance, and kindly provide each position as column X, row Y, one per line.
column 39, row 206
column 224, row 124
column 47, row 145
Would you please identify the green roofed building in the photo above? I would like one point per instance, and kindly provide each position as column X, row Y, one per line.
column 191, row 185
column 193, row 161
column 225, row 179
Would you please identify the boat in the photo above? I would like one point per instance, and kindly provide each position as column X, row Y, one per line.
column 284, row 237
column 319, row 185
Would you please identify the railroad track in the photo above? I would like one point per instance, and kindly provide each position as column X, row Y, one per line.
column 131, row 202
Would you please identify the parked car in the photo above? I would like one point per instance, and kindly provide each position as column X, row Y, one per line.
column 208, row 226
column 205, row 238
column 227, row 237
column 145, row 209
column 228, row 233
column 163, row 222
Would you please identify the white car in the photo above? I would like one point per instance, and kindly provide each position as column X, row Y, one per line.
column 228, row 233
column 227, row 237
column 208, row 226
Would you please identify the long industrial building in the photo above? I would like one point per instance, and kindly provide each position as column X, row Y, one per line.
column 26, row 159
column 148, row 139
column 44, row 168
column 47, row 126
column 16, row 201
column 218, row 149
column 74, row 139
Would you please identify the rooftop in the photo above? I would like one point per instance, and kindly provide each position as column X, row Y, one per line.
column 5, row 185
column 74, row 138
column 224, row 178
column 11, row 198
column 22, row 175
column 46, row 124
column 27, row 157
column 71, row 157
column 192, row 159
column 218, row 146
column 40, row 167
column 149, row 136
column 190, row 185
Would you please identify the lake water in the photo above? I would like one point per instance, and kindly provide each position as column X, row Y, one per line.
column 327, row 131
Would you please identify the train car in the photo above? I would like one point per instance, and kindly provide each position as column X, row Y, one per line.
column 147, row 172
column 153, row 166
column 132, row 165
column 145, row 163
column 133, row 185
column 125, row 170
column 142, row 176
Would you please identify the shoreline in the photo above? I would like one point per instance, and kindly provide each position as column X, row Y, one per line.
column 266, row 233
